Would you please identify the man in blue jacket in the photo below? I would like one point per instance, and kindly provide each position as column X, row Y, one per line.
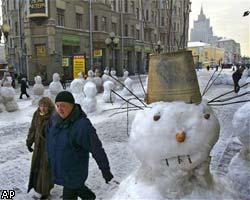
column 70, row 137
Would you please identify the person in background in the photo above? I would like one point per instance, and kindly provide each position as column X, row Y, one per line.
column 236, row 77
column 23, row 88
column 63, row 81
column 70, row 138
column 40, row 173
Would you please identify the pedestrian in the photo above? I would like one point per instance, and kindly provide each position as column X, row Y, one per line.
column 70, row 138
column 63, row 81
column 40, row 174
column 236, row 77
column 23, row 88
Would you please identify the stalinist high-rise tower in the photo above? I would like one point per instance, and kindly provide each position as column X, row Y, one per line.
column 202, row 31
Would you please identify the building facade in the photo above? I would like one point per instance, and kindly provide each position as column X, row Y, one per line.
column 45, row 40
column 206, row 54
column 232, row 51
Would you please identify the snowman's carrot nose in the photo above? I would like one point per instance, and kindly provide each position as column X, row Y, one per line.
column 180, row 136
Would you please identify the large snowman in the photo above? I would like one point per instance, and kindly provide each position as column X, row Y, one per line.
column 173, row 138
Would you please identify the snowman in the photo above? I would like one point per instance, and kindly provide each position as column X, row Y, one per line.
column 129, row 85
column 98, row 81
column 105, row 76
column 113, row 74
column 238, row 170
column 90, row 76
column 55, row 86
column 173, row 137
column 38, row 90
column 8, row 95
column 76, row 87
column 90, row 102
column 124, row 77
column 108, row 96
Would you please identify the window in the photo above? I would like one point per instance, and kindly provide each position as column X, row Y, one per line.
column 113, row 5
column 114, row 29
column 16, row 28
column 126, row 30
column 126, row 6
column 132, row 3
column 147, row 17
column 132, row 31
column 96, row 23
column 137, row 34
column 104, row 23
column 60, row 17
column 152, row 16
column 162, row 21
column 137, row 13
column 79, row 21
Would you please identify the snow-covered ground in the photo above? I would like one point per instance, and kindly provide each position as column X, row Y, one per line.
column 15, row 159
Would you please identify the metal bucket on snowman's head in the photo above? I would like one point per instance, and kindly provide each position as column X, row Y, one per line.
column 172, row 77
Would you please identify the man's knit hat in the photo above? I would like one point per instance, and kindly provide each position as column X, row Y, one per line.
column 65, row 96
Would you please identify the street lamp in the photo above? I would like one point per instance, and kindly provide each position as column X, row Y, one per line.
column 112, row 41
column 158, row 47
column 5, row 30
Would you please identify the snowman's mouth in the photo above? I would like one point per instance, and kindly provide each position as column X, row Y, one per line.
column 179, row 159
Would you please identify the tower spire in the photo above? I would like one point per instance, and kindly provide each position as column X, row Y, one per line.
column 201, row 13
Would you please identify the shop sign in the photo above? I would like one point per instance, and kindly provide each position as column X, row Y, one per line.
column 38, row 8
column 65, row 62
column 40, row 50
column 98, row 53
column 78, row 65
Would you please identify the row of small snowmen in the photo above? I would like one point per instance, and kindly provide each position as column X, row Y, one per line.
column 7, row 95
column 85, row 91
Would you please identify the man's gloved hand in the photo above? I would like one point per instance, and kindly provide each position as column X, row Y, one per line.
column 30, row 148
column 107, row 175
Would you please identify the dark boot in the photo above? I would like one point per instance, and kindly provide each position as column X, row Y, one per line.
column 46, row 196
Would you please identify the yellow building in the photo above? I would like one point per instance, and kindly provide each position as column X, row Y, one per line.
column 205, row 54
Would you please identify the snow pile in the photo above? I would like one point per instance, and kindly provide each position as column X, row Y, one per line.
column 238, row 170
column 90, row 102
column 173, row 143
column 223, row 78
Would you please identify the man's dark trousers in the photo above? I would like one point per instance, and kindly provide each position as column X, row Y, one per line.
column 83, row 192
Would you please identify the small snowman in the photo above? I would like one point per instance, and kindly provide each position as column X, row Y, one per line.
column 124, row 77
column 108, row 96
column 55, row 86
column 8, row 94
column 238, row 169
column 129, row 85
column 113, row 74
column 90, row 76
column 38, row 90
column 98, row 81
column 76, row 87
column 90, row 102
column 105, row 76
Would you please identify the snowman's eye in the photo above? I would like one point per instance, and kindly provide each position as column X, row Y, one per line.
column 180, row 136
column 157, row 117
column 206, row 116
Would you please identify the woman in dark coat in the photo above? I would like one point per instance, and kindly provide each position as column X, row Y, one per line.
column 40, row 173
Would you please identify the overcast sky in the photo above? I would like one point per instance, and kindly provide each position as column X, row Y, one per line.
column 226, row 19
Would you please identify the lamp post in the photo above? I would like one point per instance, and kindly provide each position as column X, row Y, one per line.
column 112, row 41
column 4, row 30
column 158, row 47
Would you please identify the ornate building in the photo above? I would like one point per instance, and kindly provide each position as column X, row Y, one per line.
column 202, row 31
column 50, row 36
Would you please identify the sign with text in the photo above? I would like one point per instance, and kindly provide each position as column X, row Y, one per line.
column 40, row 50
column 78, row 64
column 38, row 8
